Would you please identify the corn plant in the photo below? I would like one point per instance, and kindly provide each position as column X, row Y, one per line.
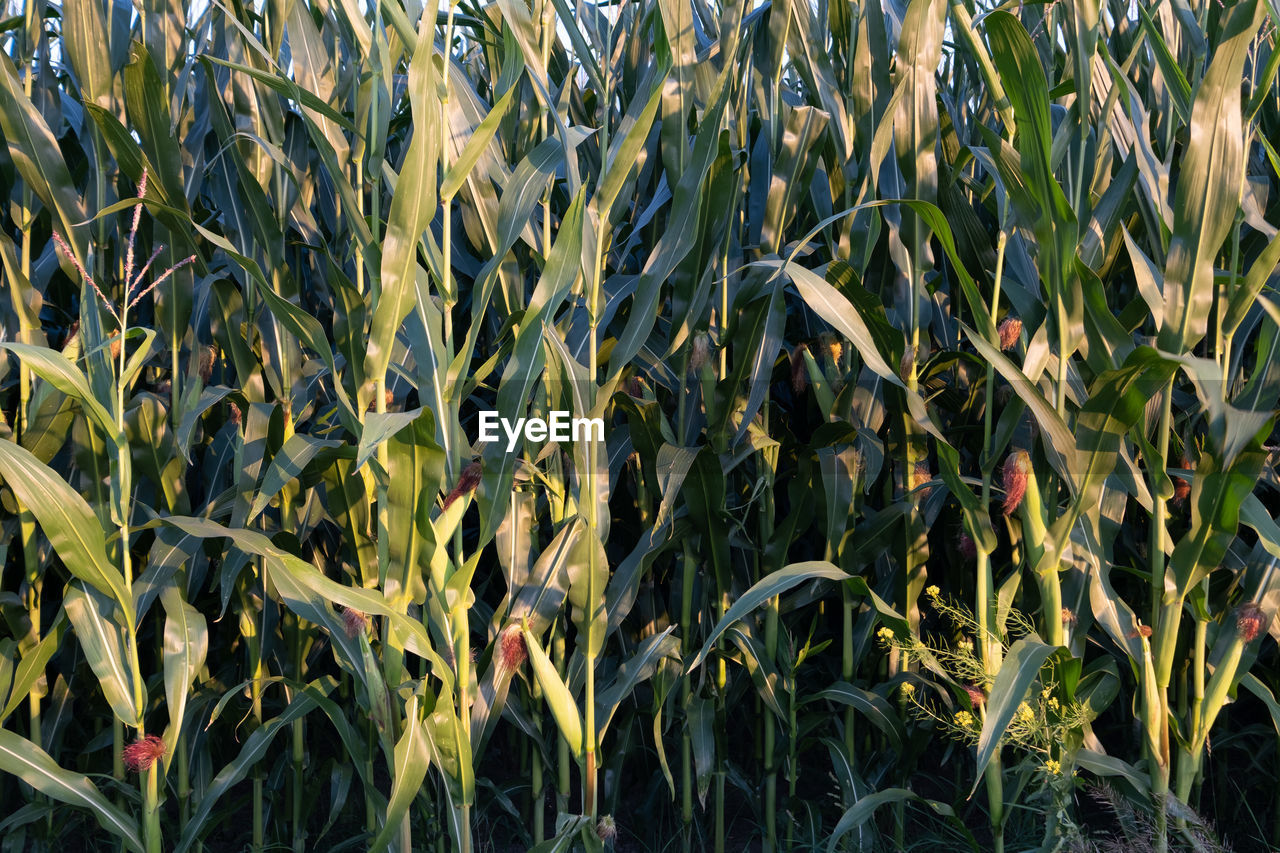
column 932, row 347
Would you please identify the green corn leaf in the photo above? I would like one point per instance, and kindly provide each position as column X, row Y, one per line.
column 311, row 594
column 765, row 340
column 859, row 814
column 570, row 829
column 763, row 669
column 587, row 611
column 1116, row 403
column 873, row 706
column 519, row 197
column 767, row 588
column 412, row 207
column 559, row 698
column 1211, row 174
column 915, row 118
column 148, row 114
column 1175, row 80
column 72, row 528
column 977, row 518
column 1255, row 686
column 32, row 666
column 8, row 648
column 1060, row 444
column 631, row 672
column 1245, row 296
column 288, row 88
column 38, row 158
column 537, row 597
column 141, row 354
column 624, row 584
column 412, row 759
column 627, row 142
column 1253, row 514
column 260, row 422
column 700, row 716
column 676, row 241
column 1020, row 67
column 308, row 330
column 562, row 270
column 672, row 465
column 480, row 138
column 518, row 18
column 37, row 768
column 186, row 646
column 1108, row 765
column 704, row 497
column 255, row 747
column 451, row 752
column 146, row 428
column 1216, row 498
column 83, row 26
column 53, row 367
column 1018, row 672
column 416, row 468
column 104, row 642
column 314, row 69
column 378, row 427
column 297, row 452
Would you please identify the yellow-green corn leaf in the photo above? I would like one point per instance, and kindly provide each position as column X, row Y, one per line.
column 104, row 641
column 68, row 522
column 37, row 768
column 557, row 693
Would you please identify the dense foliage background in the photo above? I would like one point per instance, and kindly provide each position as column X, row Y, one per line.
column 935, row 344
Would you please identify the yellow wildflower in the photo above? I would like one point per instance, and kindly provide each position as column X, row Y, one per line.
column 932, row 591
column 964, row 719
column 1052, row 767
column 908, row 689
